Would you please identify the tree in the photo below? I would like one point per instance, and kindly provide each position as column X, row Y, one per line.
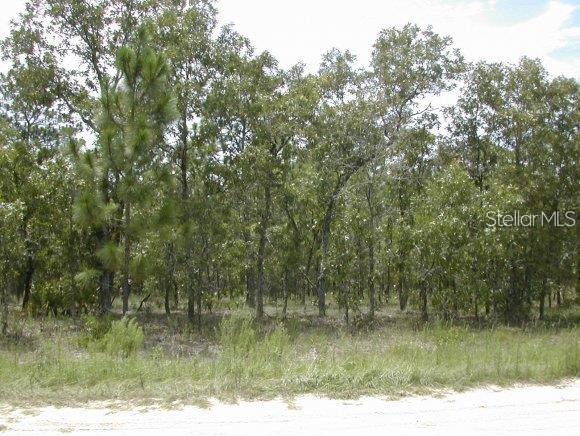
column 135, row 114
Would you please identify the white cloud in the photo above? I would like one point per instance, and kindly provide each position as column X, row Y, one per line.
column 301, row 30
column 9, row 9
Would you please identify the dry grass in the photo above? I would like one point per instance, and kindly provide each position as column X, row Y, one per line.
column 57, row 361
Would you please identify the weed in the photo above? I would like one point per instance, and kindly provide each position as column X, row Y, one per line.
column 124, row 338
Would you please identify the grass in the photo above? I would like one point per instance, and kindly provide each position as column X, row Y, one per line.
column 60, row 361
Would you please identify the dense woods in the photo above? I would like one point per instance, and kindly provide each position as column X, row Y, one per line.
column 148, row 154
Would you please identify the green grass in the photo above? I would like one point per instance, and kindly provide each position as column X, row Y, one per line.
column 58, row 361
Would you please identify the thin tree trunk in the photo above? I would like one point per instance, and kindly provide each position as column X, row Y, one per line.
column 308, row 268
column 371, row 277
column 402, row 254
column 325, row 241
column 323, row 261
column 402, row 293
column 262, row 250
column 325, row 248
column 105, row 292
column 286, row 292
column 198, row 300
column 191, row 283
column 250, row 272
column 4, row 308
column 543, row 299
column 250, row 284
column 169, row 280
column 127, row 258
column 424, row 313
column 166, row 301
column 186, row 215
column 291, row 269
column 27, row 281
column 346, row 301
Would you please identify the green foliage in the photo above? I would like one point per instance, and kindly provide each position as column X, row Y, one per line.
column 238, row 335
column 182, row 165
column 389, row 360
column 110, row 255
column 124, row 338
column 96, row 327
column 246, row 353
column 88, row 279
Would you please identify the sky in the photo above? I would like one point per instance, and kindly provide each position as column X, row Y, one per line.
column 493, row 30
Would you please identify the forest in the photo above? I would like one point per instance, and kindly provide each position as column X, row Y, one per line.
column 146, row 151
column 152, row 162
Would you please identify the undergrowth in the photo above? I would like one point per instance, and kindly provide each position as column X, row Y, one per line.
column 106, row 359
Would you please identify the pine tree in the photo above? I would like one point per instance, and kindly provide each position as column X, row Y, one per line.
column 135, row 113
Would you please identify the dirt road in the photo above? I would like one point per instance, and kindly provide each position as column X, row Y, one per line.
column 527, row 411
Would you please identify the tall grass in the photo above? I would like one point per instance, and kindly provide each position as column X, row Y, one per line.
column 252, row 361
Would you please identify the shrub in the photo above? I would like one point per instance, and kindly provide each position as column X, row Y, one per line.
column 237, row 335
column 276, row 344
column 97, row 326
column 124, row 338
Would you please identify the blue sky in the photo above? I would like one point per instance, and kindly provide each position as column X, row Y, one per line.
column 513, row 11
column 495, row 30
column 510, row 12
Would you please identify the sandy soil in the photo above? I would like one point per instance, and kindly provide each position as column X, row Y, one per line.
column 527, row 410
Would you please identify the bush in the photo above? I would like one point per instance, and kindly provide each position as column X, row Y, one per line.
column 124, row 338
column 97, row 326
column 276, row 344
column 237, row 335
column 248, row 354
column 49, row 298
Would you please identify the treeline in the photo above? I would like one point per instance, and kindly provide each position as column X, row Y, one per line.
column 146, row 150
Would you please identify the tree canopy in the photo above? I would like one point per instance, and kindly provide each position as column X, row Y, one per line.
column 145, row 150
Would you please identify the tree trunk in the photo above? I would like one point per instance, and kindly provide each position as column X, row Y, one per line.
column 324, row 260
column 344, row 300
column 183, row 157
column 371, row 277
column 4, row 309
column 325, row 241
column 191, row 283
column 170, row 276
column 511, row 303
column 543, row 299
column 127, row 258
column 27, row 281
column 402, row 293
column 325, row 248
column 286, row 292
column 250, row 284
column 105, row 294
column 308, row 268
column 166, row 301
column 262, row 234
column 388, row 285
column 250, row 271
column 198, row 300
column 346, row 308
column 424, row 313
